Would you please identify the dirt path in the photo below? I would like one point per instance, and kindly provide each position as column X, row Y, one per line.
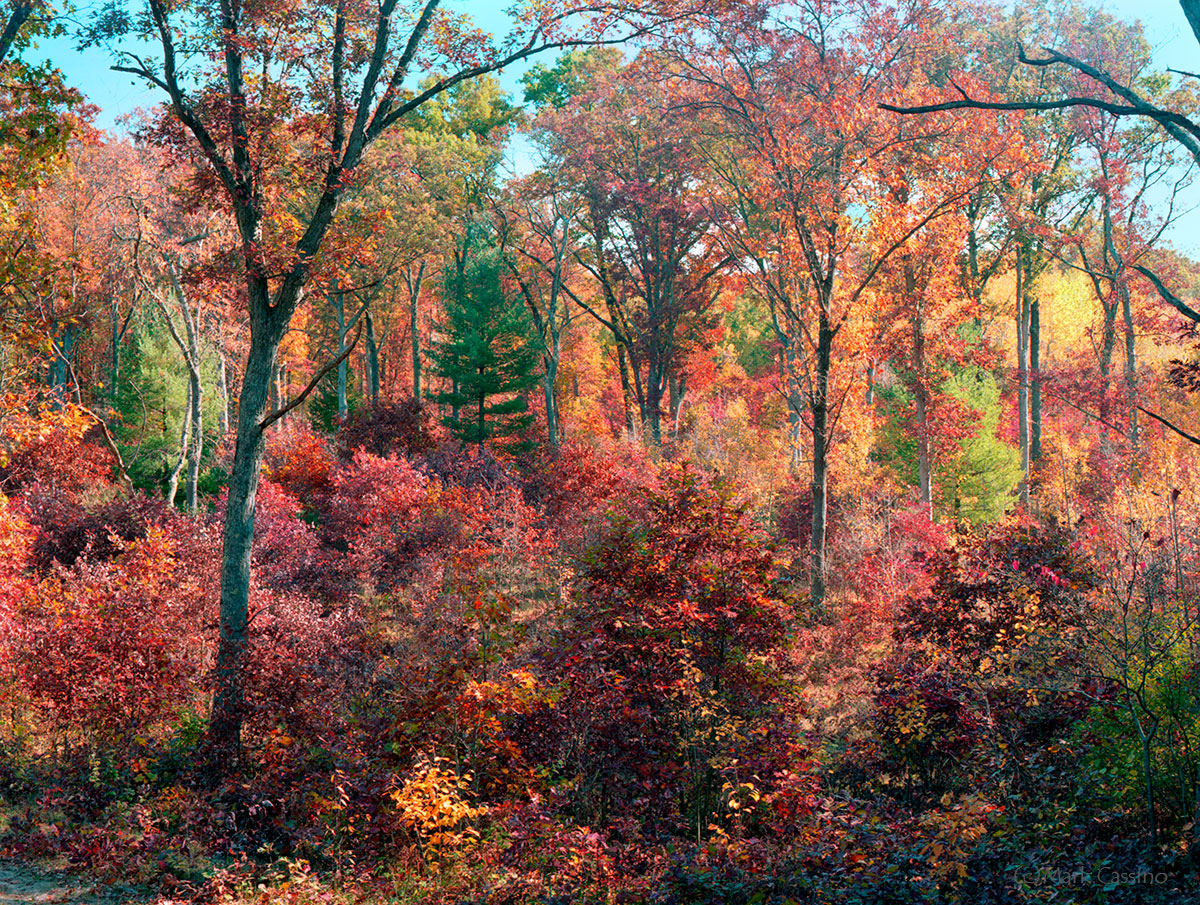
column 24, row 885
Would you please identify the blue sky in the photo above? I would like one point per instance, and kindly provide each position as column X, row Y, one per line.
column 119, row 95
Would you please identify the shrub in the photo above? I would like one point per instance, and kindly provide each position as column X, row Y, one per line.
column 671, row 655
column 68, row 532
column 56, row 448
column 402, row 428
column 374, row 515
column 926, row 723
column 300, row 462
column 110, row 649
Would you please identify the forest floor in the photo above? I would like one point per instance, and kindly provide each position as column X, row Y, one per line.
column 23, row 884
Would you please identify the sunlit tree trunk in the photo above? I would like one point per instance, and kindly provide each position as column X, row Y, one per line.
column 1131, row 390
column 223, row 390
column 184, row 439
column 678, row 390
column 1035, row 381
column 196, row 406
column 627, row 396
column 413, row 284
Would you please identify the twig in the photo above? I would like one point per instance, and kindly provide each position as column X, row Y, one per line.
column 312, row 384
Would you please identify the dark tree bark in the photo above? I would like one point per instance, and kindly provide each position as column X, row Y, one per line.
column 822, row 443
column 372, row 361
column 357, row 116
column 18, row 14
column 337, row 298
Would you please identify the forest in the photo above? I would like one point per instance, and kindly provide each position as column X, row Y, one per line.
column 678, row 452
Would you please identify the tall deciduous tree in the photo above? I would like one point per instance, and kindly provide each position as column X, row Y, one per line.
column 801, row 156
column 237, row 77
column 1125, row 163
column 540, row 234
column 651, row 244
column 1098, row 86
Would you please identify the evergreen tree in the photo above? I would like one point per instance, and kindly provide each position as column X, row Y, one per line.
column 487, row 352
column 982, row 482
column 977, row 476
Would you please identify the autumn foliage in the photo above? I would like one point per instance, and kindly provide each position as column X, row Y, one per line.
column 818, row 523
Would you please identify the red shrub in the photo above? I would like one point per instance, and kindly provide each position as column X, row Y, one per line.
column 302, row 660
column 68, row 532
column 286, row 549
column 402, row 428
column 674, row 644
column 992, row 592
column 374, row 514
column 15, row 536
column 579, row 484
column 111, row 648
column 58, row 449
column 300, row 461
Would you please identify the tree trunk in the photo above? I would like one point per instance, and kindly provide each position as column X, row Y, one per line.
column 678, row 389
column 924, row 456
column 1023, row 375
column 196, row 405
column 115, row 353
column 652, row 409
column 60, row 364
column 416, row 351
column 191, row 322
column 1131, row 390
column 1108, row 345
column 480, row 435
column 225, row 726
column 1147, row 740
column 338, row 299
column 194, row 421
column 223, row 390
column 921, row 392
column 795, row 399
column 631, row 420
column 414, row 298
column 1035, row 380
column 819, row 403
column 549, row 388
column 185, row 434
column 189, row 349
column 372, row 361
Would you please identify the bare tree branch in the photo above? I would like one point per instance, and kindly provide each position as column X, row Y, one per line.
column 1167, row 295
column 1163, row 421
column 312, row 384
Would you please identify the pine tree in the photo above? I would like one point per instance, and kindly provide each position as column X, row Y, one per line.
column 487, row 351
